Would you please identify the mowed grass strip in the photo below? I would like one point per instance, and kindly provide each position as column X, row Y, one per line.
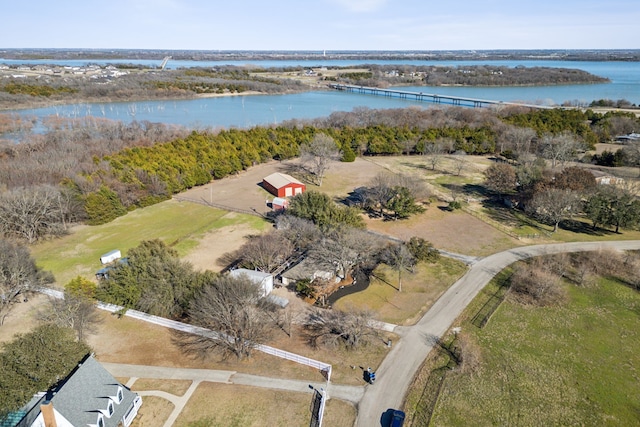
column 569, row 365
column 420, row 290
column 179, row 224
column 241, row 406
column 175, row 387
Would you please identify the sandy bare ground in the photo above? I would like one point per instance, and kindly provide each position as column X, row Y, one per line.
column 206, row 256
column 22, row 317
column 243, row 190
column 451, row 231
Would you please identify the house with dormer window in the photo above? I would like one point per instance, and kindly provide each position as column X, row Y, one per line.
column 88, row 397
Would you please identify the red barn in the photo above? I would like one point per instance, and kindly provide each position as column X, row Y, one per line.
column 282, row 185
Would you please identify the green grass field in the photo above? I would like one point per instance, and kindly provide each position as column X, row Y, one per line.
column 179, row 224
column 570, row 365
column 419, row 291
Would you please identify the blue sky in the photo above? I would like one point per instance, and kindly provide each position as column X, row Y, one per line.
column 321, row 24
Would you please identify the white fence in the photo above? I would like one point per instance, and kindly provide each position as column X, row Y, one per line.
column 325, row 368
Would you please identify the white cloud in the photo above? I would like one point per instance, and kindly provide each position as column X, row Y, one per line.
column 360, row 5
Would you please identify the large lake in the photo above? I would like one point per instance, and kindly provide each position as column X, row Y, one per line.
column 246, row 111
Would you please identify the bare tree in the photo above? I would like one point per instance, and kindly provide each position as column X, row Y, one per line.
column 379, row 192
column 518, row 140
column 342, row 249
column 266, row 252
column 77, row 310
column 559, row 148
column 36, row 212
column 400, row 258
column 19, row 276
column 434, row 152
column 460, row 162
column 318, row 155
column 302, row 233
column 234, row 310
column 334, row 327
column 531, row 284
column 553, row 205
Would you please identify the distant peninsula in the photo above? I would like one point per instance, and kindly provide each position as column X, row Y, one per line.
column 24, row 85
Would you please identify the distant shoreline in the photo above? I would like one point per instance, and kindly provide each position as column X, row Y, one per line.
column 630, row 55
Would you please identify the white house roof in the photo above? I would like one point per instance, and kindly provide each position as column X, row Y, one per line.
column 279, row 201
column 279, row 180
column 253, row 275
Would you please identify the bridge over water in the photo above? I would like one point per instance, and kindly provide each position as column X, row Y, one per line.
column 429, row 97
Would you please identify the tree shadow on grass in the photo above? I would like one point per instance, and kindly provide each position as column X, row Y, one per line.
column 421, row 166
column 583, row 228
column 383, row 280
column 297, row 171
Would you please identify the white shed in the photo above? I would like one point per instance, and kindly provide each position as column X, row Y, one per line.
column 110, row 256
column 265, row 280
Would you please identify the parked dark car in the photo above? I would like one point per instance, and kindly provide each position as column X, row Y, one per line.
column 397, row 419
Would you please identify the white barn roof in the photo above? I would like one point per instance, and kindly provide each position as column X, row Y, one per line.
column 279, row 180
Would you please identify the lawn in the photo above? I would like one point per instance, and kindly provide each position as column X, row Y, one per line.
column 153, row 412
column 570, row 365
column 420, row 290
column 179, row 224
column 233, row 405
column 131, row 341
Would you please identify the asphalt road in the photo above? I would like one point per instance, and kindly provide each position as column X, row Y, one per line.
column 395, row 374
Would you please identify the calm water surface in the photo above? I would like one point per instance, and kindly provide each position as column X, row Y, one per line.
column 247, row 111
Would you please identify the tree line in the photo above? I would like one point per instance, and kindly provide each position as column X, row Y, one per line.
column 95, row 170
column 467, row 75
column 556, row 196
column 138, row 84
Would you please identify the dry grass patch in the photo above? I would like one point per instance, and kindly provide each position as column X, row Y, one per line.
column 419, row 291
column 131, row 341
column 153, row 412
column 339, row 414
column 233, row 405
column 175, row 387
column 454, row 231
column 22, row 318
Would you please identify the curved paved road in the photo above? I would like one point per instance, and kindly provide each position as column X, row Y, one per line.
column 401, row 364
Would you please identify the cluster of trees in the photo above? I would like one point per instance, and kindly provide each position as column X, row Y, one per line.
column 19, row 276
column 138, row 84
column 552, row 197
column 36, row 361
column 332, row 237
column 613, row 206
column 30, row 213
column 628, row 155
column 619, row 103
column 153, row 279
column 539, row 281
column 399, row 194
column 318, row 208
column 36, row 90
column 468, row 75
column 201, row 87
column 107, row 169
